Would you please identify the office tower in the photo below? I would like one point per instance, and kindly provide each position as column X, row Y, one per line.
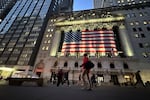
column 22, row 30
column 5, row 7
column 110, row 3
column 66, row 6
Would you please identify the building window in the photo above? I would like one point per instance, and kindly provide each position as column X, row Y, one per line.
column 50, row 35
column 147, row 45
column 76, row 64
column 145, row 22
column 131, row 23
column 49, row 41
column 136, row 35
column 125, row 66
column 140, row 29
column 122, row 1
column 128, row 15
column 1, row 49
column 118, row 1
column 141, row 14
column 99, row 65
column 134, row 30
column 48, row 30
column 112, row 65
column 47, row 48
column 43, row 48
column 45, row 41
column 133, row 15
column 140, row 45
column 66, row 64
column 137, row 23
column 148, row 28
column 47, row 35
column 143, row 35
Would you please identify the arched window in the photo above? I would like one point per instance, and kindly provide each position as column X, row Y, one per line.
column 76, row 64
column 99, row 65
column 125, row 66
column 56, row 63
column 66, row 64
column 112, row 65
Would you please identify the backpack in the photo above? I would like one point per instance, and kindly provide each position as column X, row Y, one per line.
column 89, row 64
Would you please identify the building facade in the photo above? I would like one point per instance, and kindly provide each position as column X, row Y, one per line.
column 5, row 7
column 116, row 50
column 111, row 3
column 139, row 22
column 22, row 30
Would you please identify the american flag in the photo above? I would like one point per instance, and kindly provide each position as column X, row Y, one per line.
column 89, row 41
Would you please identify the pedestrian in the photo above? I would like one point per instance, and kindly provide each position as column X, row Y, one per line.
column 138, row 79
column 93, row 80
column 66, row 78
column 51, row 78
column 85, row 72
column 59, row 77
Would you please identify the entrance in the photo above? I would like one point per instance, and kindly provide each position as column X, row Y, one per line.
column 114, row 79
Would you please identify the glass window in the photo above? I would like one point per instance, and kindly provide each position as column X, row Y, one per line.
column 48, row 30
column 148, row 28
column 140, row 29
column 134, row 30
column 131, row 23
column 145, row 22
column 141, row 14
column 140, row 45
column 143, row 35
column 137, row 35
column 136, row 23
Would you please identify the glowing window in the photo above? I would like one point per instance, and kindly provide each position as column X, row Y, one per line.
column 132, row 23
column 48, row 30
column 145, row 23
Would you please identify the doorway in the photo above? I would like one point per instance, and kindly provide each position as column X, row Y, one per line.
column 114, row 79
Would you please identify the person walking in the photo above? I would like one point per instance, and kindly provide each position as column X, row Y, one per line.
column 66, row 78
column 85, row 72
column 93, row 80
column 59, row 77
column 138, row 79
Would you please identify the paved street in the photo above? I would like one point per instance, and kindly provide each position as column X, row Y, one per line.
column 52, row 92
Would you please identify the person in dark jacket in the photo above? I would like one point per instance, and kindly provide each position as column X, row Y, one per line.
column 138, row 79
column 60, row 77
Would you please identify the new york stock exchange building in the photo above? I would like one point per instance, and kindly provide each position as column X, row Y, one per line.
column 107, row 35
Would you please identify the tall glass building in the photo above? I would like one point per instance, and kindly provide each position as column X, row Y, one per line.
column 22, row 30
column 5, row 7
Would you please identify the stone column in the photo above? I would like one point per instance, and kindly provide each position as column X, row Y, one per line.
column 55, row 43
column 125, row 42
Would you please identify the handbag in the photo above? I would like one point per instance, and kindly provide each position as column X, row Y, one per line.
column 89, row 64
